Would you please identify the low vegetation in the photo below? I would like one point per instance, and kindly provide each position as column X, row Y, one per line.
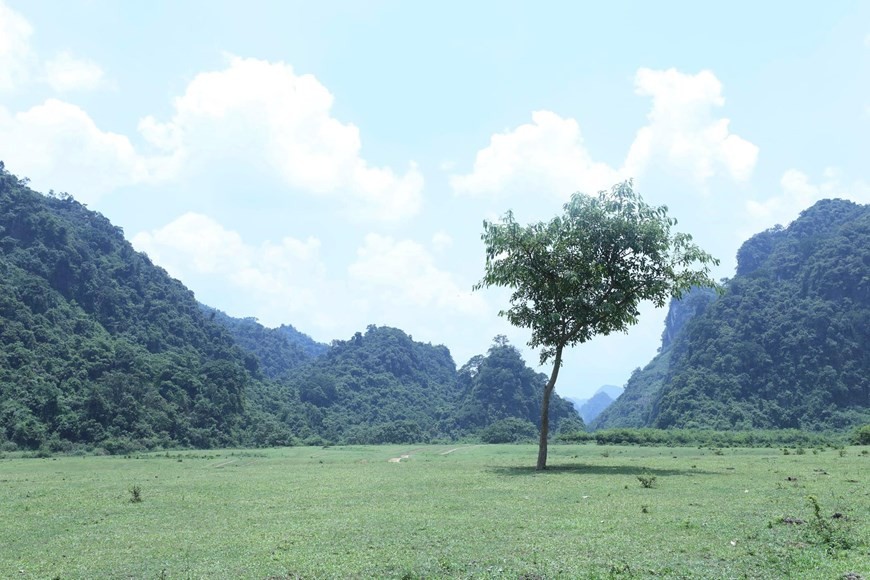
column 451, row 511
column 710, row 438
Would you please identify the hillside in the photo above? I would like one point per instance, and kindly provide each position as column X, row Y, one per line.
column 99, row 346
column 378, row 387
column 499, row 385
column 278, row 350
column 785, row 346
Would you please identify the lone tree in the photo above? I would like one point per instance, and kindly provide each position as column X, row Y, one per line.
column 584, row 273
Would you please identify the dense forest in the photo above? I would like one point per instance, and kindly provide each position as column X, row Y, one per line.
column 100, row 348
column 785, row 346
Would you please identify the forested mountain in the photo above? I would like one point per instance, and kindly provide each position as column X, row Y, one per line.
column 97, row 344
column 278, row 350
column 499, row 386
column 379, row 387
column 309, row 346
column 101, row 348
column 785, row 346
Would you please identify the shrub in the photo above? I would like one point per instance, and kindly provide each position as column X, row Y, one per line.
column 646, row 480
column 861, row 436
column 834, row 532
column 510, row 430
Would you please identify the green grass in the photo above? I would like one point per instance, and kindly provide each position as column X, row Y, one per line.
column 479, row 511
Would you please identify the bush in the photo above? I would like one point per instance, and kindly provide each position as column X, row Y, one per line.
column 647, row 481
column 510, row 430
column 861, row 436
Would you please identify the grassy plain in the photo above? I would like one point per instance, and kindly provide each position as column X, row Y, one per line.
column 444, row 511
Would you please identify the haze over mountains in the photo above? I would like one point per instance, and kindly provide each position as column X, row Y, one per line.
column 101, row 348
column 602, row 398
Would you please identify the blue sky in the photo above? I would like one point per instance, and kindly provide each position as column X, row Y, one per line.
column 329, row 164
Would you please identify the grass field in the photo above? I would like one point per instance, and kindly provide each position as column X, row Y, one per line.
column 443, row 511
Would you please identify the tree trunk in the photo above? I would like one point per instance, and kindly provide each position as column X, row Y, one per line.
column 545, row 411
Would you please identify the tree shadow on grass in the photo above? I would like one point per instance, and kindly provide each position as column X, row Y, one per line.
column 586, row 469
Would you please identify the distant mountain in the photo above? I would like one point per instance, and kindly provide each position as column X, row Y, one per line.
column 785, row 346
column 278, row 350
column 499, row 385
column 594, row 406
column 590, row 408
column 612, row 391
column 379, row 387
column 309, row 346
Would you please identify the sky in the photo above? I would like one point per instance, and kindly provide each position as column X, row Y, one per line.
column 329, row 164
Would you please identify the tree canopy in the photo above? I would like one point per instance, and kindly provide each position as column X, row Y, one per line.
column 584, row 273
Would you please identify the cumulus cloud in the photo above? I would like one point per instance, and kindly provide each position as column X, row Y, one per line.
column 799, row 193
column 402, row 272
column 16, row 57
column 547, row 155
column 253, row 113
column 19, row 64
column 256, row 110
column 682, row 134
column 283, row 276
column 65, row 73
column 58, row 146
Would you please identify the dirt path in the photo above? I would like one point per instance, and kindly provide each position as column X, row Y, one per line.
column 406, row 456
column 449, row 451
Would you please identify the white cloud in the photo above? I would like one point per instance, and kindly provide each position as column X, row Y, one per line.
column 390, row 281
column 799, row 193
column 15, row 54
column 282, row 277
column 253, row 112
column 256, row 111
column 684, row 132
column 549, row 155
column 441, row 241
column 66, row 73
column 546, row 156
column 57, row 145
column 403, row 273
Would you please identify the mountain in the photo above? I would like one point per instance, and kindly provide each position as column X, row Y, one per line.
column 309, row 346
column 499, row 385
column 278, row 350
column 100, row 348
column 378, row 387
column 98, row 345
column 612, row 391
column 590, row 408
column 785, row 346
column 594, row 406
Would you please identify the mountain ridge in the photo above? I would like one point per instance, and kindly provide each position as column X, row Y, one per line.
column 783, row 347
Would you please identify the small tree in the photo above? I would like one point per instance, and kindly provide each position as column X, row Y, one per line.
column 584, row 273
